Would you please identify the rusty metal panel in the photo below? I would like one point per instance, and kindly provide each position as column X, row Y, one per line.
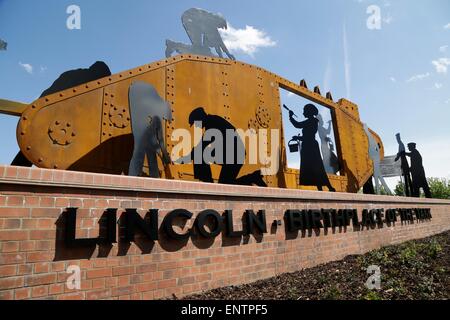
column 191, row 84
column 59, row 134
column 116, row 114
column 97, row 113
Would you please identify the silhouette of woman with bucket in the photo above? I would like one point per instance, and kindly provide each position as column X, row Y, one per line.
column 312, row 170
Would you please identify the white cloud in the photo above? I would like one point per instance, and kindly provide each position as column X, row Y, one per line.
column 447, row 102
column 443, row 48
column 441, row 65
column 248, row 40
column 447, row 26
column 43, row 69
column 393, row 79
column 27, row 67
column 438, row 85
column 418, row 77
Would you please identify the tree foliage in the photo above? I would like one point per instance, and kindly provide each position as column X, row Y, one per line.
column 440, row 188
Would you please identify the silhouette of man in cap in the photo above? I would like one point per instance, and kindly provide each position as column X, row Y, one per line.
column 419, row 179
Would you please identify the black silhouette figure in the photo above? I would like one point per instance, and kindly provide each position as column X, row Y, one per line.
column 73, row 78
column 312, row 170
column 419, row 179
column 230, row 171
column 405, row 166
column 66, row 80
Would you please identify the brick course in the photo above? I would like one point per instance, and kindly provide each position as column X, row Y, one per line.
column 33, row 263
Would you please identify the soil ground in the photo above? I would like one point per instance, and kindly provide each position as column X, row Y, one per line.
column 415, row 270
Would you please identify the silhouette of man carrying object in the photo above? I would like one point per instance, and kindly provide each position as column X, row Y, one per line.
column 202, row 28
column 419, row 179
column 405, row 166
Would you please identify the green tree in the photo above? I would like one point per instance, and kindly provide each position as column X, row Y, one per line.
column 440, row 188
column 400, row 189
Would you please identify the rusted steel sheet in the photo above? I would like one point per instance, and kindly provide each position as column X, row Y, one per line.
column 88, row 127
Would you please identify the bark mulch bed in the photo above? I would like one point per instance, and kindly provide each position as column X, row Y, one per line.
column 415, row 270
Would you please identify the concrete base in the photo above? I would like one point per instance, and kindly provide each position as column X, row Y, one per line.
column 35, row 260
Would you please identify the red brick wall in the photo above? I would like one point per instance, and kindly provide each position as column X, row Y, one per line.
column 33, row 261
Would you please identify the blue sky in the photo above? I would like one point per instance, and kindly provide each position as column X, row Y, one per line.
column 388, row 72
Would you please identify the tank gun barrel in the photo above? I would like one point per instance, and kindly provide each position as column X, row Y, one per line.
column 12, row 108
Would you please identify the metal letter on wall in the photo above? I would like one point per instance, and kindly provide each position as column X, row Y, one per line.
column 202, row 28
column 148, row 112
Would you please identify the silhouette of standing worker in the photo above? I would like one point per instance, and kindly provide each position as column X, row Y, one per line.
column 149, row 113
column 312, row 170
column 405, row 165
column 419, row 179
column 230, row 171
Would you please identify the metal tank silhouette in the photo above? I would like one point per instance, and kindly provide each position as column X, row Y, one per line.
column 89, row 127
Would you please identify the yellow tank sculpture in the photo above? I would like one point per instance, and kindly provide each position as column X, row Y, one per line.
column 88, row 127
